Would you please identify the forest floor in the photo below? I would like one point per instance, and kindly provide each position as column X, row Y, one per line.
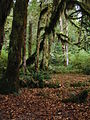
column 45, row 103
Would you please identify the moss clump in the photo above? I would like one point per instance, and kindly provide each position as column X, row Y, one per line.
column 79, row 98
column 78, row 84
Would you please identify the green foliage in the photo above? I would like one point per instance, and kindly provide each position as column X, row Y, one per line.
column 78, row 84
column 86, row 69
column 3, row 63
column 40, row 75
column 79, row 98
column 37, row 79
column 81, row 61
column 34, row 79
column 58, row 69
column 53, row 85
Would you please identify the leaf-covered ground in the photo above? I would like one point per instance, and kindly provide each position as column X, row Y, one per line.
column 45, row 104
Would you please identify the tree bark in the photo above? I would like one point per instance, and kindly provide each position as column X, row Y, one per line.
column 24, row 42
column 44, row 56
column 38, row 43
column 1, row 37
column 30, row 39
column 43, row 62
column 24, row 51
column 49, row 49
column 37, row 48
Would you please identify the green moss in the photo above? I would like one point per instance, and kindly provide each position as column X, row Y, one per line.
column 78, row 84
column 79, row 98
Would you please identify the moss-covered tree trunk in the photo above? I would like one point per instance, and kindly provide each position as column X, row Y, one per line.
column 51, row 38
column 37, row 49
column 5, row 7
column 24, row 50
column 30, row 39
column 24, row 42
column 43, row 62
column 16, row 38
column 1, row 36
column 44, row 56
column 38, row 42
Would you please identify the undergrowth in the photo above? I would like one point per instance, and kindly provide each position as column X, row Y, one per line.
column 79, row 84
column 79, row 98
column 78, row 63
column 3, row 63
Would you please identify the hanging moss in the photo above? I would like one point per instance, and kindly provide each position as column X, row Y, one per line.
column 55, row 17
column 50, row 28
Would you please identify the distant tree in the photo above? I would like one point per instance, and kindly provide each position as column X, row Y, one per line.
column 66, row 46
column 45, row 45
column 63, row 43
column 38, row 41
column 24, row 43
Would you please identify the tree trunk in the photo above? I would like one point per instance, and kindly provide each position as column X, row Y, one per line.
column 30, row 39
column 80, row 30
column 63, row 44
column 43, row 62
column 38, row 43
column 37, row 48
column 1, row 37
column 24, row 43
column 47, row 54
column 44, row 57
column 5, row 8
column 49, row 50
column 24, row 51
column 66, row 45
column 16, row 38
